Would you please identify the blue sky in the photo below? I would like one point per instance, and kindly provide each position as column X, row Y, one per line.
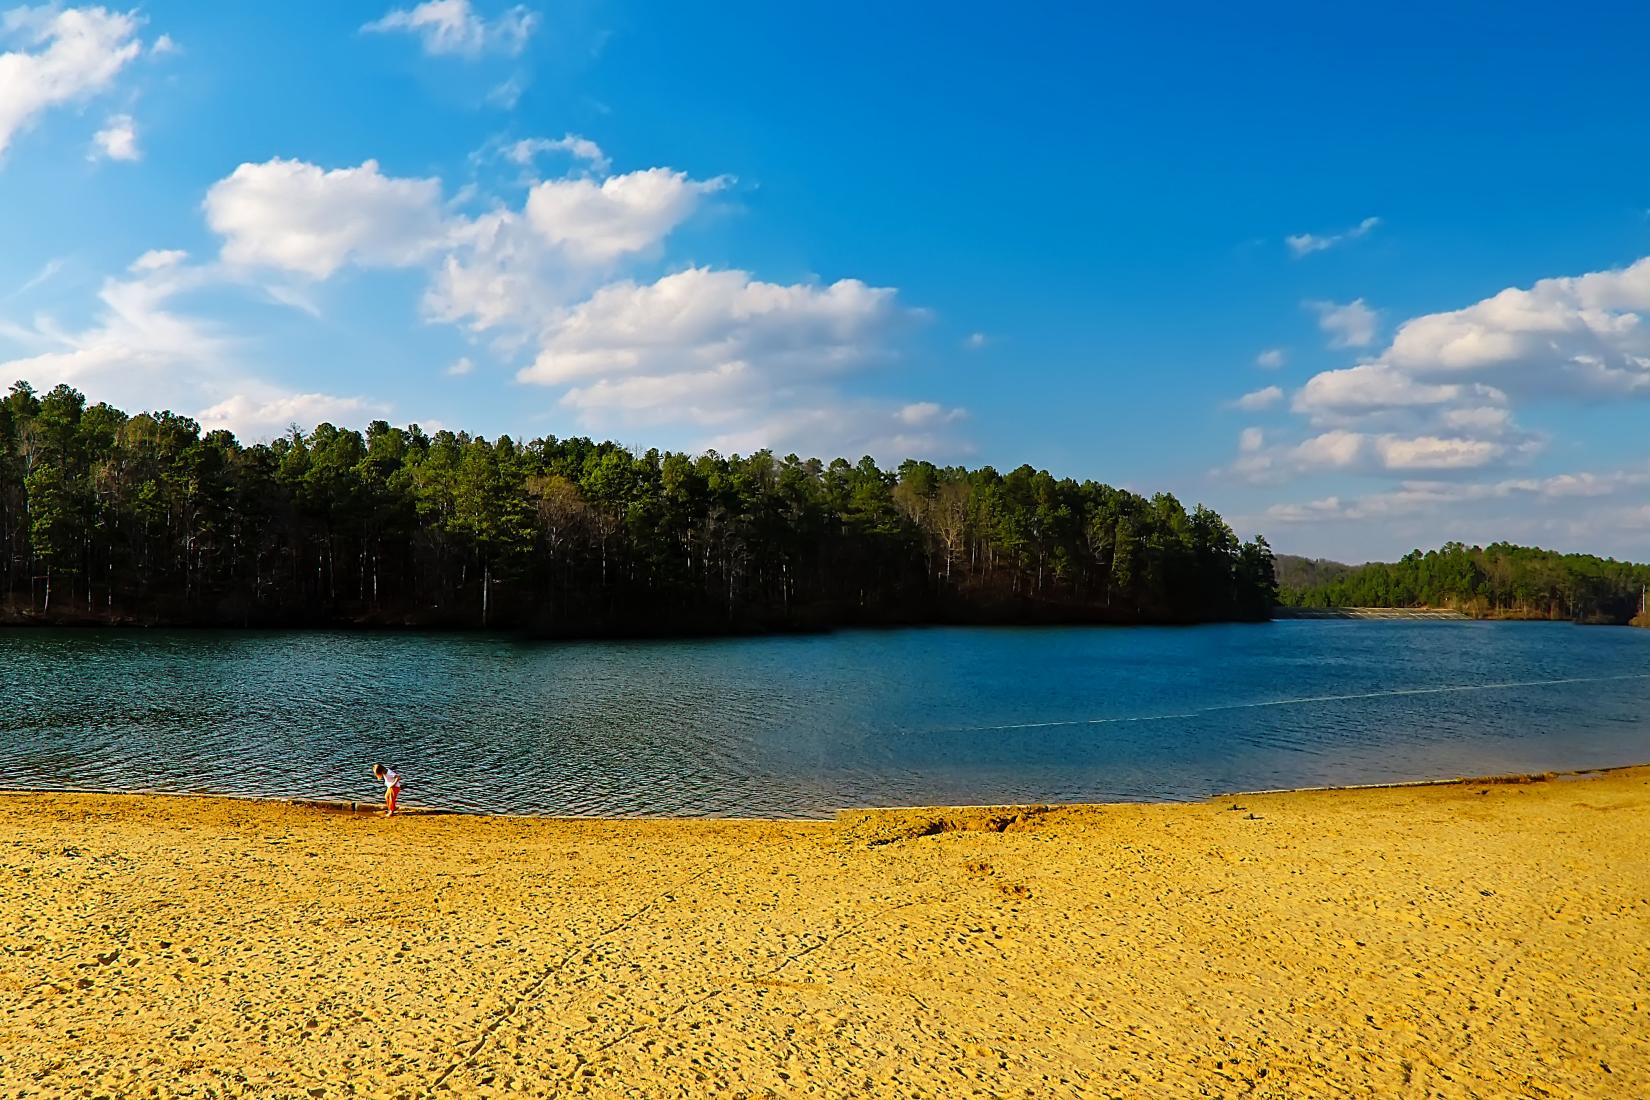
column 1360, row 280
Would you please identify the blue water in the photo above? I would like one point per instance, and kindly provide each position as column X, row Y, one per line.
column 805, row 725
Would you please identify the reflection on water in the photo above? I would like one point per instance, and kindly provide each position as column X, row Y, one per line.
column 804, row 725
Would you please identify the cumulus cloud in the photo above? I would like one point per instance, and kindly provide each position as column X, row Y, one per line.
column 298, row 217
column 712, row 327
column 752, row 363
column 1259, row 399
column 64, row 55
column 499, row 273
column 453, row 27
column 1346, row 450
column 501, row 268
column 975, row 341
column 513, row 271
column 1442, row 393
column 1251, row 440
column 1304, row 244
column 461, row 367
column 117, row 140
column 264, row 415
column 713, row 350
column 1271, row 359
column 621, row 214
column 1351, row 325
column 1377, row 386
column 1580, row 335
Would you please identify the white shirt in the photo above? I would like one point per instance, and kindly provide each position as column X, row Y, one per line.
column 391, row 779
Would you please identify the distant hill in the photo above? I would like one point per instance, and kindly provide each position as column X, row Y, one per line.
column 1496, row 581
column 1294, row 571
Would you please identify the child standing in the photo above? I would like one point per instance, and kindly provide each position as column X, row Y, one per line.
column 392, row 787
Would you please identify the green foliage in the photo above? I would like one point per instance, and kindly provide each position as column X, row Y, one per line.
column 1498, row 581
column 144, row 517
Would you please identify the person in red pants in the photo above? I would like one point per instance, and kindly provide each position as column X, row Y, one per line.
column 392, row 787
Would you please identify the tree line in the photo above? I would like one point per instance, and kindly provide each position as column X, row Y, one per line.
column 1499, row 581
column 144, row 518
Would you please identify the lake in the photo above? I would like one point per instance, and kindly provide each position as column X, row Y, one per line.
column 803, row 725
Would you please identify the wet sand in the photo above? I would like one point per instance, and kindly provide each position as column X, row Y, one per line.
column 1481, row 939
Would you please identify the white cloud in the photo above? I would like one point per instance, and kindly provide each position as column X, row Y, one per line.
column 1376, row 386
column 163, row 46
column 1303, row 513
column 707, row 350
column 158, row 258
column 599, row 222
column 67, row 55
column 844, row 427
column 1251, row 440
column 266, row 415
column 499, row 273
column 1337, row 449
column 1422, row 497
column 503, row 268
column 1303, row 244
column 715, row 395
column 143, row 352
column 1271, row 359
column 1441, row 395
column 921, row 413
column 975, row 341
column 461, row 367
column 138, row 341
column 1436, row 453
column 1259, row 399
column 117, row 140
column 1345, row 450
column 524, row 152
column 1581, row 335
column 297, row 217
column 1351, row 325
column 1480, row 419
column 453, row 27
column 757, row 363
column 701, row 320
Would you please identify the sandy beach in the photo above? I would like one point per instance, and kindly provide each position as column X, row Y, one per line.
column 1480, row 939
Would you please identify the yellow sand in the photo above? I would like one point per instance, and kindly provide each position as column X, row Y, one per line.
column 1484, row 940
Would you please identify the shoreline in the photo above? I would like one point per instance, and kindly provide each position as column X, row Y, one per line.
column 412, row 809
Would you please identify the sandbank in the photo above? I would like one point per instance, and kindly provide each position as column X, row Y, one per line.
column 1478, row 939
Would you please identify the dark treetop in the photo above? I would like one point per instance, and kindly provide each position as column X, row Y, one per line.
column 110, row 517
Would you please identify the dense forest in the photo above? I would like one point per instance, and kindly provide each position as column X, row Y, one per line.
column 106, row 517
column 1496, row 581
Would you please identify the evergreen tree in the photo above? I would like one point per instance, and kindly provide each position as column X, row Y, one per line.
column 146, row 518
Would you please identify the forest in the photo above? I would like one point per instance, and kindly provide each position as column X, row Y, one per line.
column 1496, row 581
column 107, row 517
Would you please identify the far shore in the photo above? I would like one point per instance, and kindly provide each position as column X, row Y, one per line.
column 1468, row 938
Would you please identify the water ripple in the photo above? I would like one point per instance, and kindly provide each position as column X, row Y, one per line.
column 802, row 726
